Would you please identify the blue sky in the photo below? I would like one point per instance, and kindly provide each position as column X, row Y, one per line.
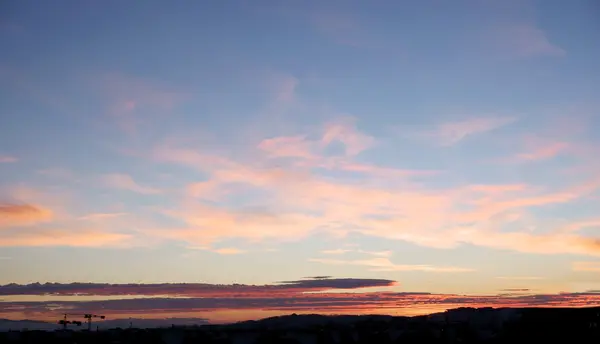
column 449, row 146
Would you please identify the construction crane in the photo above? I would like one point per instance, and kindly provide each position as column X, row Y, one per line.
column 87, row 316
column 64, row 322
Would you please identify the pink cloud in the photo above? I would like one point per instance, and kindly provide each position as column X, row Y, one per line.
column 125, row 182
column 523, row 40
column 498, row 189
column 295, row 201
column 415, row 215
column 286, row 89
column 540, row 149
column 5, row 159
column 56, row 172
column 293, row 146
column 101, row 216
column 209, row 224
column 451, row 133
column 211, row 190
column 344, row 130
column 384, row 264
column 127, row 97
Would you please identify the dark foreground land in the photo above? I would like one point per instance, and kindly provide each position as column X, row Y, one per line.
column 463, row 325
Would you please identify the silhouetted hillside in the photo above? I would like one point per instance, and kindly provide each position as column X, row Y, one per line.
column 462, row 325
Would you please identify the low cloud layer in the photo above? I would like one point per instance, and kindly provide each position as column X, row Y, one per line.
column 314, row 284
column 284, row 297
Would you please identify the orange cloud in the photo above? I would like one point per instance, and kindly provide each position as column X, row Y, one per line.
column 125, row 182
column 13, row 215
column 535, row 243
column 415, row 215
column 59, row 237
column 228, row 250
column 209, row 224
column 295, row 201
column 586, row 266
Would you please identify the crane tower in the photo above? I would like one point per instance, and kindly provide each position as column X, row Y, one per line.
column 86, row 316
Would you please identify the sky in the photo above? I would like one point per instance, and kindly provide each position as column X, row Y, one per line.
column 232, row 160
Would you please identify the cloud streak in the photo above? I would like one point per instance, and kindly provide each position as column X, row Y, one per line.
column 586, row 266
column 297, row 201
column 384, row 264
column 193, row 289
column 523, row 40
column 451, row 133
column 126, row 182
column 284, row 297
column 16, row 215
column 6, row 159
column 81, row 237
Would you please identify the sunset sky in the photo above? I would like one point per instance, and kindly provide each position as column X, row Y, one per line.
column 420, row 154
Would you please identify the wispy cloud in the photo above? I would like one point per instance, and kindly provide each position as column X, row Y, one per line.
column 228, row 250
column 5, row 159
column 127, row 96
column 523, row 278
column 286, row 297
column 101, row 216
column 545, row 152
column 384, row 264
column 451, row 133
column 586, row 266
column 14, row 215
column 522, row 40
column 126, row 182
column 336, row 251
column 340, row 251
column 344, row 130
column 56, row 172
column 294, row 146
column 194, row 289
column 62, row 237
column 296, row 201
column 377, row 253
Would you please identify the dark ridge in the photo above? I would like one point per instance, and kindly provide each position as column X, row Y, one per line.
column 461, row 325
